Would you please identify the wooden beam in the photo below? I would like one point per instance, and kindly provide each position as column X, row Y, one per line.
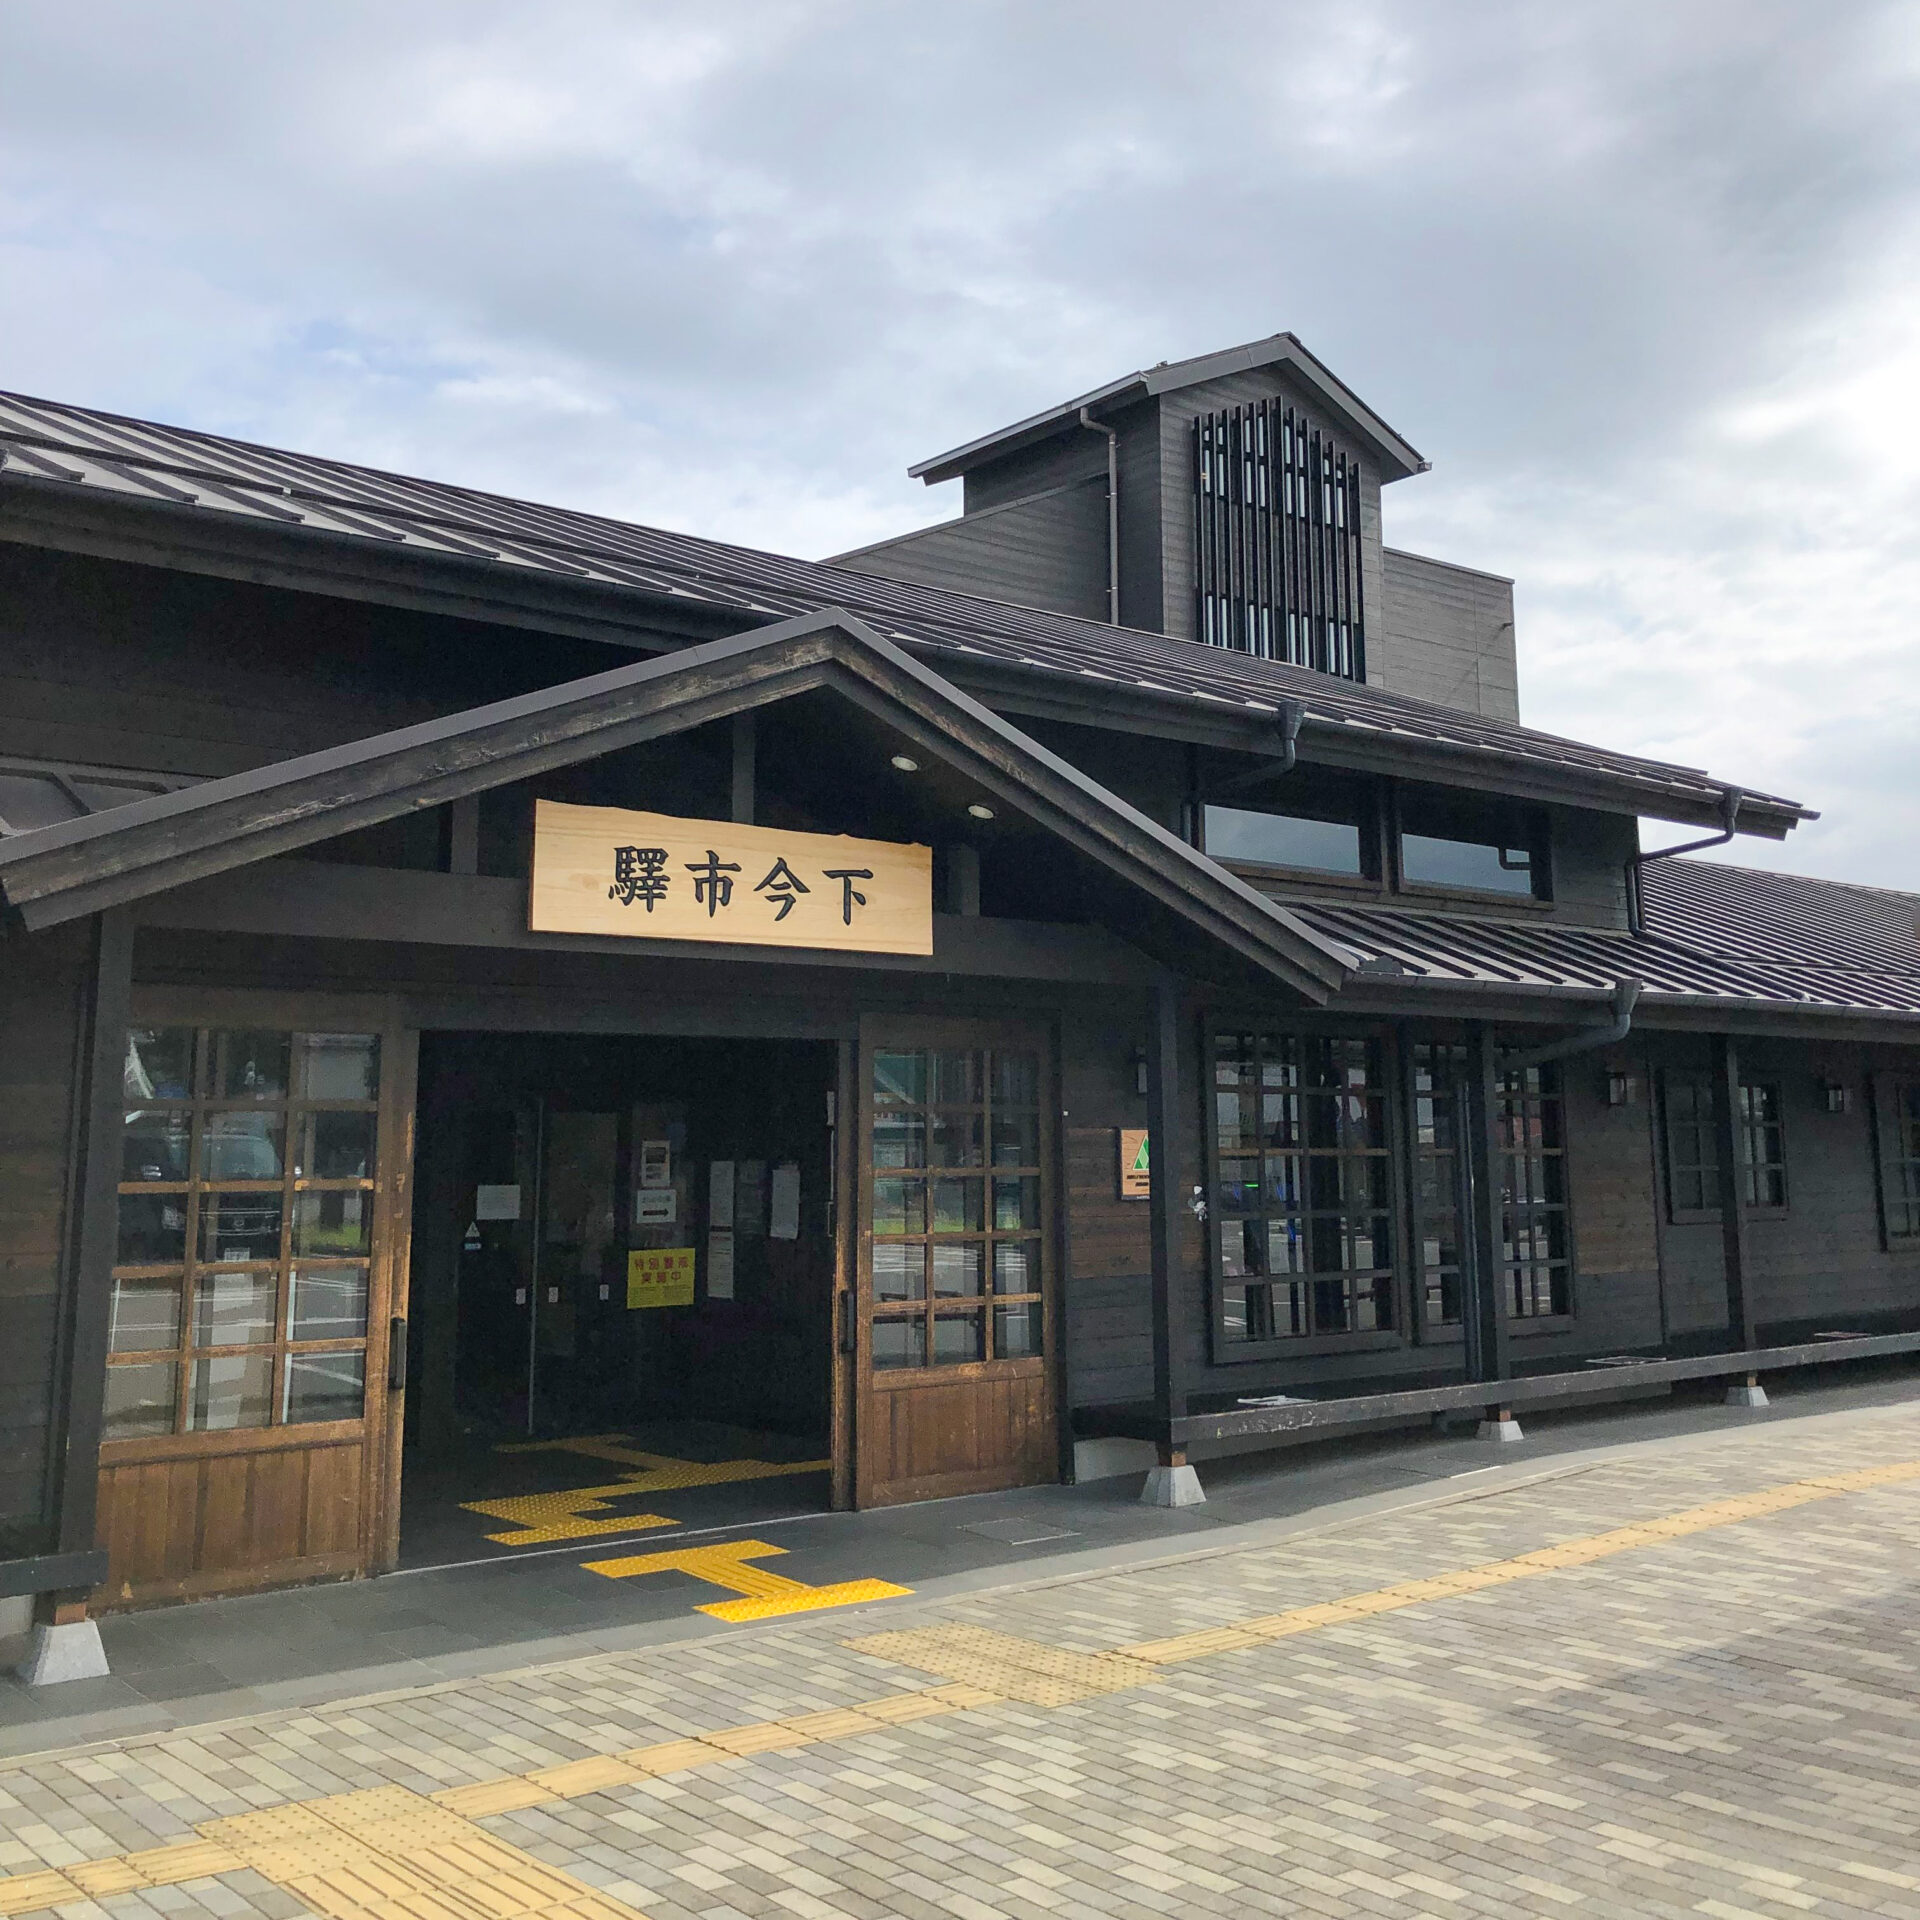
column 1163, row 1163
column 1489, row 1355
column 92, row 1227
column 1733, row 1195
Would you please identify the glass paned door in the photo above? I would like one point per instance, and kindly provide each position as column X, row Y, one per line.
column 956, row 1284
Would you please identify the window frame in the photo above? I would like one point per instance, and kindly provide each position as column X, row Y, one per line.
column 1537, row 836
column 1747, row 1128
column 1553, row 1089
column 1700, row 1083
column 1896, row 1158
column 1227, row 1352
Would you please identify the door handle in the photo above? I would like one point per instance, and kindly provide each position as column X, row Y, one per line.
column 397, row 1352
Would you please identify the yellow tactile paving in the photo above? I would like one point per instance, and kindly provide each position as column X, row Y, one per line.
column 764, row 1595
column 580, row 1513
column 1015, row 1669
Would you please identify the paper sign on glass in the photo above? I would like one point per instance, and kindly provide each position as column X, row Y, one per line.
column 496, row 1203
column 654, row 1206
column 660, row 1277
column 655, row 876
column 783, row 1222
column 720, row 1264
column 720, row 1194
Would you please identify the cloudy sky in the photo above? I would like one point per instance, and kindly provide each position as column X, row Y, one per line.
column 1639, row 278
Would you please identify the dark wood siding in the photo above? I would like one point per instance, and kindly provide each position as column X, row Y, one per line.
column 1047, row 550
column 42, row 993
column 1445, row 633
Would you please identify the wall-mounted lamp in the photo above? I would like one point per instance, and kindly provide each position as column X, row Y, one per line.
column 906, row 763
column 979, row 812
column 1623, row 1090
column 1839, row 1098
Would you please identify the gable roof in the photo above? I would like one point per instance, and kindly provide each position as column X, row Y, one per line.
column 1398, row 460
column 323, row 519
column 56, row 873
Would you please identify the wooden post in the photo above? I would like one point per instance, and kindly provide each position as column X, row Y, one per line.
column 93, row 1220
column 743, row 768
column 963, row 881
column 1163, row 1172
column 1483, row 1231
column 1733, row 1198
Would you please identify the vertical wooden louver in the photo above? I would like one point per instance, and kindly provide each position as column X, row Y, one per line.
column 1276, row 539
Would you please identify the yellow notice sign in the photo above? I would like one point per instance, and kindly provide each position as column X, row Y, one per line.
column 660, row 1277
column 653, row 876
column 1135, row 1180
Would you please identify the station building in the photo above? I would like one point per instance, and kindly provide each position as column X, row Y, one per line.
column 1103, row 980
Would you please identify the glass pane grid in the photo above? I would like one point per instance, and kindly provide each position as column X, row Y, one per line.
column 956, row 1208
column 243, row 1267
column 1303, row 1236
column 1534, row 1220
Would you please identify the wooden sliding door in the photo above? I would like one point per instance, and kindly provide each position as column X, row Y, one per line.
column 956, row 1288
column 252, row 1421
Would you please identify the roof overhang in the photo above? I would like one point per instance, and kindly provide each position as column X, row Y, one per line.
column 1398, row 460
column 59, row 873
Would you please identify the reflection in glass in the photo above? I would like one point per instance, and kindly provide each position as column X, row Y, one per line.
column 154, row 1144
column 146, row 1315
column 240, row 1226
column 956, row 1206
column 338, row 1146
column 899, row 1138
column 957, row 1270
column 332, row 1223
column 340, row 1066
column 899, row 1342
column 140, row 1400
column 159, row 1063
column 900, row 1271
column 241, row 1146
column 956, row 1079
column 1430, row 862
column 957, row 1139
column 1017, row 1331
column 230, row 1390
column 900, row 1076
column 958, row 1338
column 1283, row 840
column 1016, row 1079
column 325, row 1386
column 899, row 1206
column 1016, row 1138
column 245, row 1065
column 327, row 1303
column 233, row 1309
column 1016, row 1203
column 1016, row 1266
column 153, row 1229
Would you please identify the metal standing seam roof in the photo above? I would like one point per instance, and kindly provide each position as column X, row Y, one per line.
column 1711, row 932
column 48, row 442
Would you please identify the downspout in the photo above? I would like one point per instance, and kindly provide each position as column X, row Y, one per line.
column 1287, row 720
column 1113, row 511
column 1730, row 801
column 1626, row 994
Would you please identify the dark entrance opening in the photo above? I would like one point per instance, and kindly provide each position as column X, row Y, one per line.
column 622, row 1289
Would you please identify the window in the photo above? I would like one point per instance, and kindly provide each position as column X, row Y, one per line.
column 1693, row 1155
column 1898, row 1117
column 1437, row 1071
column 1284, row 840
column 958, row 1241
column 42, row 793
column 1302, row 1220
column 1461, row 842
column 241, row 1276
column 1277, row 539
column 1530, row 1128
column 1763, row 1148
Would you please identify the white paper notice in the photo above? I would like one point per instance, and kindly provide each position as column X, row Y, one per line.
column 720, row 1264
column 784, row 1220
column 496, row 1203
column 750, row 1199
column 720, row 1194
column 654, row 1206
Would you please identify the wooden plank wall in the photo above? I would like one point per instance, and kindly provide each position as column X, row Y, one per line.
column 42, row 996
column 1445, row 633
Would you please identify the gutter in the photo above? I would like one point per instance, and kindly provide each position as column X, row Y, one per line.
column 1731, row 800
column 1113, row 511
column 1626, row 994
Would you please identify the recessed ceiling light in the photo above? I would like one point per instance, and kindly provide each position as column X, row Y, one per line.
column 906, row 764
column 979, row 812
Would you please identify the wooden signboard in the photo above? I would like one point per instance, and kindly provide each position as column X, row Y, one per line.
column 1135, row 1182
column 657, row 877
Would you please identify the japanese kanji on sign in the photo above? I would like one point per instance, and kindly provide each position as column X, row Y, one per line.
column 655, row 876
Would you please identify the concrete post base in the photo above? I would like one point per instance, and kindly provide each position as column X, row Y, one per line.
column 1751, row 1394
column 1505, row 1428
column 70, row 1651
column 1172, row 1487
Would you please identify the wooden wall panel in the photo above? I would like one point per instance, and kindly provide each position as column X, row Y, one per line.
column 960, row 1436
column 229, row 1522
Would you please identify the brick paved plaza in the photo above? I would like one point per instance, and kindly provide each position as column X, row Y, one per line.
column 1673, row 1678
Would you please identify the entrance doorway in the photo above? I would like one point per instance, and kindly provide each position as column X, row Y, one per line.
column 623, row 1274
